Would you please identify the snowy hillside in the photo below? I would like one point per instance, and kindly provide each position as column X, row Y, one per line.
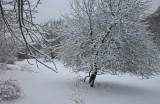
column 42, row 86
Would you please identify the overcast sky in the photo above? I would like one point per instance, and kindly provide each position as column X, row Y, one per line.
column 53, row 9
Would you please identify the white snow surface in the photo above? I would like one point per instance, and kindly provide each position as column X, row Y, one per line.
column 43, row 86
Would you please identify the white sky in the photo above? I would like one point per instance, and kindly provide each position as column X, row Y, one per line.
column 155, row 4
column 53, row 9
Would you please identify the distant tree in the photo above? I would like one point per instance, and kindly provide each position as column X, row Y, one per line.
column 153, row 22
column 108, row 37
column 8, row 50
column 8, row 45
column 51, row 32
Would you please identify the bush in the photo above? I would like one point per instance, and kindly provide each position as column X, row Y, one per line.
column 10, row 62
column 9, row 89
column 21, row 56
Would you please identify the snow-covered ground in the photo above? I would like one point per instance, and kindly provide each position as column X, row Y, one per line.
column 43, row 86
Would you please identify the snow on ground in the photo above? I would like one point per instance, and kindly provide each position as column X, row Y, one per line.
column 43, row 86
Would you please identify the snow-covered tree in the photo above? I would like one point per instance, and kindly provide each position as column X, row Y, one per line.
column 153, row 22
column 8, row 45
column 51, row 31
column 18, row 17
column 108, row 36
column 7, row 50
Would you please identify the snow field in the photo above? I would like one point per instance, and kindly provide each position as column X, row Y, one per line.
column 43, row 86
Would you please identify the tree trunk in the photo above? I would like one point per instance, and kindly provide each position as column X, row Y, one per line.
column 92, row 78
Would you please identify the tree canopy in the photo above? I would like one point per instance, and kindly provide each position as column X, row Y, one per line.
column 108, row 36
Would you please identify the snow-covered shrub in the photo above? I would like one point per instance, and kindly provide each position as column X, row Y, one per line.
column 21, row 56
column 9, row 89
column 46, row 59
column 10, row 62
